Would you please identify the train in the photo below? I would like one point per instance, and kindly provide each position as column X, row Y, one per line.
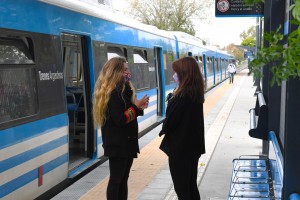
column 51, row 52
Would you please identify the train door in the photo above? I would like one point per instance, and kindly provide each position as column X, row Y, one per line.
column 78, row 96
column 217, row 70
column 159, row 87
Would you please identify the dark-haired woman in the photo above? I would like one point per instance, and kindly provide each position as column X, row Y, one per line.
column 184, row 128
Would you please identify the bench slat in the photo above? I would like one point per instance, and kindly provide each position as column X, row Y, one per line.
column 256, row 176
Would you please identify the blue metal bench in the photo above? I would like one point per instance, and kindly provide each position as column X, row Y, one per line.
column 258, row 176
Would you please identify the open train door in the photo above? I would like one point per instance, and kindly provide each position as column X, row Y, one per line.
column 159, row 68
column 78, row 95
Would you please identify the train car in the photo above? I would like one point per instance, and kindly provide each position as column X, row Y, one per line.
column 212, row 61
column 51, row 54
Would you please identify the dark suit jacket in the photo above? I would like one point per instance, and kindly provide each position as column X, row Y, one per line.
column 120, row 131
column 183, row 128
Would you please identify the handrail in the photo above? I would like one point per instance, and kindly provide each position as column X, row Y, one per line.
column 278, row 153
column 252, row 118
column 261, row 99
column 259, row 126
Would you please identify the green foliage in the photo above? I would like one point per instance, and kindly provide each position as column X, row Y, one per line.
column 171, row 15
column 249, row 41
column 296, row 10
column 251, row 32
column 284, row 61
column 236, row 52
column 249, row 37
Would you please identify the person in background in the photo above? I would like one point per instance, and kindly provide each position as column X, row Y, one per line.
column 183, row 128
column 231, row 69
column 116, row 109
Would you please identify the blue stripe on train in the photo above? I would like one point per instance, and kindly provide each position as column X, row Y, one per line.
column 150, row 93
column 27, row 131
column 33, row 153
column 146, row 116
column 99, row 140
column 31, row 176
column 154, row 102
column 153, row 92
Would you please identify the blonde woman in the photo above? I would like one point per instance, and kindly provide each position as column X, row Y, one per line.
column 115, row 110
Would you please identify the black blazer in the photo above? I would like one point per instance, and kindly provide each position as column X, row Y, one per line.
column 120, row 131
column 183, row 128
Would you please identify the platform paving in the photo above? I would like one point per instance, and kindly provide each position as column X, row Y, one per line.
column 226, row 124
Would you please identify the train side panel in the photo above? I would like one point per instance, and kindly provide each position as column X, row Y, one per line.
column 46, row 129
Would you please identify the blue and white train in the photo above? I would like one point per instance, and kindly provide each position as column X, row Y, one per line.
column 51, row 52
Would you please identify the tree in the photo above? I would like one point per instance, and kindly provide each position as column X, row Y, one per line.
column 171, row 15
column 249, row 37
column 236, row 52
column 283, row 60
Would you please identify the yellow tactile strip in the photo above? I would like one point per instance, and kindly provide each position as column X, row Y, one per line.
column 151, row 159
column 142, row 172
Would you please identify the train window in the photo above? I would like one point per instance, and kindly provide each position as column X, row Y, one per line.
column 196, row 57
column 18, row 93
column 125, row 53
column 200, row 59
column 181, row 55
column 170, row 57
column 165, row 61
column 168, row 68
column 16, row 51
column 115, row 52
column 72, row 60
column 72, row 66
column 18, row 89
column 139, row 56
column 140, row 70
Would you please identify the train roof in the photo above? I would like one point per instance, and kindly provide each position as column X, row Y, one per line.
column 187, row 38
column 106, row 14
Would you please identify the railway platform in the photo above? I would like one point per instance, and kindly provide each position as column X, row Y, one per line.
column 226, row 114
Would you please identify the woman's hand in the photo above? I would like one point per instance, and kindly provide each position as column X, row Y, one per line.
column 142, row 103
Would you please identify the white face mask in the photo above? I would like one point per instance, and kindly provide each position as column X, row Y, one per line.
column 175, row 77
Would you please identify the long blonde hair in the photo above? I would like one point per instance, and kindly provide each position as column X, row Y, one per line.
column 110, row 76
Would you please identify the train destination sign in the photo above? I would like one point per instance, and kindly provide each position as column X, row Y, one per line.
column 237, row 8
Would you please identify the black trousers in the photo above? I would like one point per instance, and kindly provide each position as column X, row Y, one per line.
column 231, row 76
column 117, row 188
column 184, row 175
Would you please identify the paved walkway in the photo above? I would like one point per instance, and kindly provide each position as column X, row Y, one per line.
column 226, row 122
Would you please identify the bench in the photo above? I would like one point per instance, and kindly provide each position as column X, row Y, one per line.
column 258, row 176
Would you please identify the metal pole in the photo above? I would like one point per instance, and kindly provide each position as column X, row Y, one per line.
column 260, row 32
column 257, row 35
column 258, row 39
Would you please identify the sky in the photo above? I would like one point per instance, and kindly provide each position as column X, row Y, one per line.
column 221, row 31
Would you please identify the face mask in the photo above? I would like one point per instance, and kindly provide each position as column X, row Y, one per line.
column 175, row 77
column 127, row 77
